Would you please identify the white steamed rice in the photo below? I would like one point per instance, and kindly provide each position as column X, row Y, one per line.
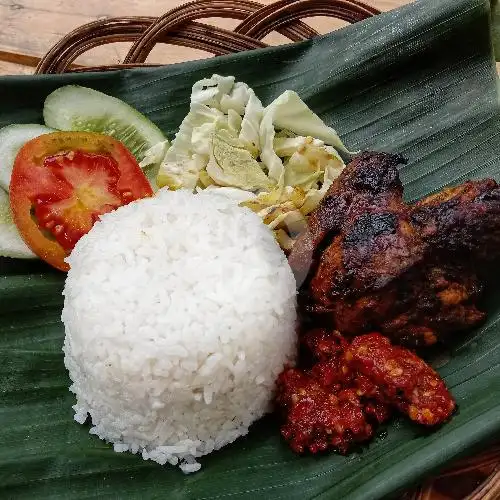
column 179, row 314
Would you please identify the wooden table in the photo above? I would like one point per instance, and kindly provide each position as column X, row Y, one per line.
column 29, row 28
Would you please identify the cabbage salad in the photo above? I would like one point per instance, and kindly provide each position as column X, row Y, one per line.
column 278, row 160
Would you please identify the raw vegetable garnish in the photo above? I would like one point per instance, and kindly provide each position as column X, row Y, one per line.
column 12, row 139
column 278, row 160
column 63, row 220
column 283, row 155
column 82, row 109
column 12, row 244
column 62, row 182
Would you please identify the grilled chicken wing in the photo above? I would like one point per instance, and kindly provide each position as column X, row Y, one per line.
column 463, row 220
column 369, row 261
column 370, row 180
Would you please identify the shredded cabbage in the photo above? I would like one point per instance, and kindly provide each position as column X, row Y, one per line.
column 230, row 164
column 152, row 161
column 289, row 112
column 284, row 157
column 218, row 140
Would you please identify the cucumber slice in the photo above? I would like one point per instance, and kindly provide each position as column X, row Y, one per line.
column 11, row 244
column 83, row 109
column 12, row 139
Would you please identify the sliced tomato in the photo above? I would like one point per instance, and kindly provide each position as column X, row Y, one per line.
column 62, row 182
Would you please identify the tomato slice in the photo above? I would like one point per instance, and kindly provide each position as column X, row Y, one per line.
column 62, row 182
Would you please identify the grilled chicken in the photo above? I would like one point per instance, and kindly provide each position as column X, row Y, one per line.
column 369, row 261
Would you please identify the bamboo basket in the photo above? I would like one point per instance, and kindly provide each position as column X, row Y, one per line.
column 476, row 478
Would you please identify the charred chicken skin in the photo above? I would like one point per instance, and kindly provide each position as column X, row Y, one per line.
column 370, row 262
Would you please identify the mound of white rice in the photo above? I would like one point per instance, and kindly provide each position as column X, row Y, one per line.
column 179, row 313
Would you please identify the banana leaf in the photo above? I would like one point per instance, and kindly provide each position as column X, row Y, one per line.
column 420, row 81
column 495, row 19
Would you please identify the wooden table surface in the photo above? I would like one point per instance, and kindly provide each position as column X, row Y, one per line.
column 29, row 28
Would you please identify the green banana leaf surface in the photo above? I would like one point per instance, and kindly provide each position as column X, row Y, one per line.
column 495, row 19
column 420, row 81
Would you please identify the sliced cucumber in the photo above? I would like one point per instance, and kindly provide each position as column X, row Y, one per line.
column 12, row 139
column 11, row 244
column 83, row 109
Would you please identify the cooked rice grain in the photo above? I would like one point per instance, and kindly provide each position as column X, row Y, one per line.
column 179, row 314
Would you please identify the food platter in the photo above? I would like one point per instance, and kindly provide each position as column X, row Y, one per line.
column 424, row 86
